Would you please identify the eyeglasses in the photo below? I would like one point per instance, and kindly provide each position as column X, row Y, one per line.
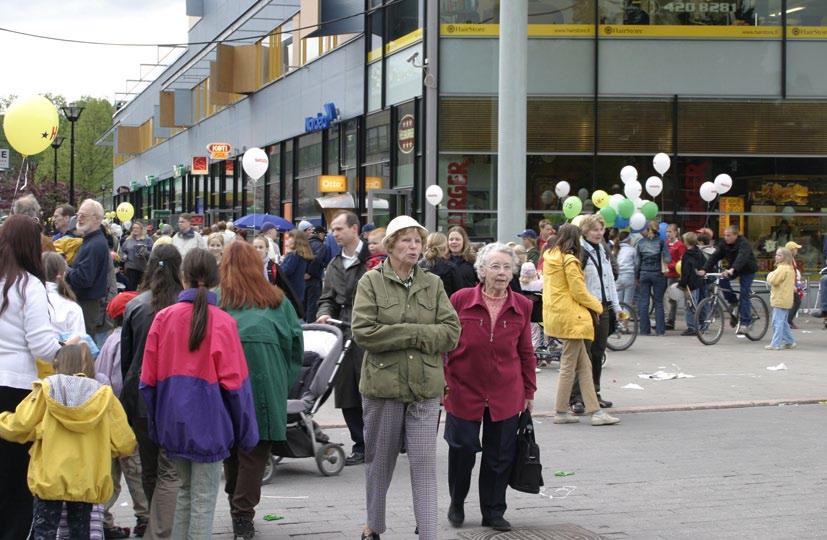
column 501, row 267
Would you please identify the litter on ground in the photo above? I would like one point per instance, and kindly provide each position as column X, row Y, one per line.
column 779, row 367
column 665, row 376
column 633, row 386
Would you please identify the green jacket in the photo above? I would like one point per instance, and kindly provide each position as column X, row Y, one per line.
column 273, row 344
column 404, row 333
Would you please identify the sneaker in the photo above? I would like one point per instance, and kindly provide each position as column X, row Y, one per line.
column 565, row 418
column 741, row 329
column 772, row 348
column 116, row 532
column 140, row 527
column 243, row 528
column 602, row 418
column 792, row 345
column 356, row 458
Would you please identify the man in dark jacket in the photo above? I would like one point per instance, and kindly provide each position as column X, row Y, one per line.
column 737, row 251
column 336, row 302
column 694, row 285
column 90, row 269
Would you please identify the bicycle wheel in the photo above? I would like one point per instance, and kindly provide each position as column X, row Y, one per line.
column 760, row 321
column 709, row 320
column 625, row 331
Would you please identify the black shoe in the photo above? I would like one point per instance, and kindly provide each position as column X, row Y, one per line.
column 140, row 527
column 243, row 528
column 456, row 515
column 498, row 524
column 689, row 332
column 577, row 407
column 404, row 449
column 603, row 403
column 670, row 326
column 356, row 458
column 371, row 536
column 116, row 532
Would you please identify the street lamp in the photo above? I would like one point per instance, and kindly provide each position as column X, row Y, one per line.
column 72, row 114
column 56, row 144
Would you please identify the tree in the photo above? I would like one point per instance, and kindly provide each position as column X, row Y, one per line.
column 93, row 164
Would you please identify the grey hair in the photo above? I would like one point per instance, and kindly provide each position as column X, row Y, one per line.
column 96, row 207
column 495, row 247
column 28, row 206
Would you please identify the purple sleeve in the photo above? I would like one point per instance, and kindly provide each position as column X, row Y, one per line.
column 239, row 404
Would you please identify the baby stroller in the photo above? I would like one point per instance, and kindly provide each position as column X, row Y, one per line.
column 323, row 354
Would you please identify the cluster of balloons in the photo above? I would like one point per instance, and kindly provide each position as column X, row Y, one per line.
column 31, row 124
column 709, row 190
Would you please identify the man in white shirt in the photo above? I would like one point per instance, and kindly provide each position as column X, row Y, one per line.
column 187, row 238
column 272, row 233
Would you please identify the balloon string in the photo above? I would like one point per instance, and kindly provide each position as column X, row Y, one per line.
column 24, row 174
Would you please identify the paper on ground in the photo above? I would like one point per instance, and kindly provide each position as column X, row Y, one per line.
column 779, row 367
column 665, row 376
column 633, row 386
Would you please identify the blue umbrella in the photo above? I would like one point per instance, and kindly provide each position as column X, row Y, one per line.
column 255, row 221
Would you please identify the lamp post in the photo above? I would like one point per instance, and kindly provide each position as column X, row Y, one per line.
column 56, row 144
column 72, row 114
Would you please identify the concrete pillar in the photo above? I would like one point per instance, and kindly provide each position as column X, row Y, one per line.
column 431, row 104
column 511, row 139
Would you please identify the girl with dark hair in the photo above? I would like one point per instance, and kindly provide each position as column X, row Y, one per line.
column 272, row 340
column 159, row 288
column 569, row 311
column 27, row 334
column 198, row 395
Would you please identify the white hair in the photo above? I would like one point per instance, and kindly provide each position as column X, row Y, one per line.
column 97, row 207
column 495, row 247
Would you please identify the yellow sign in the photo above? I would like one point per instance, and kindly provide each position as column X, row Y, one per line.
column 638, row 31
column 807, row 32
column 727, row 205
column 373, row 182
column 332, row 184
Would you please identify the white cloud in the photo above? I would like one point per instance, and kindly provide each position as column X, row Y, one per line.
column 36, row 66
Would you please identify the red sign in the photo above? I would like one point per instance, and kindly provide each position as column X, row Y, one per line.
column 197, row 220
column 407, row 134
column 199, row 165
column 229, row 167
column 457, row 191
column 219, row 151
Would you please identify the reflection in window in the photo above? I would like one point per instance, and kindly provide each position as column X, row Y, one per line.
column 470, row 11
column 274, row 173
column 377, row 137
column 804, row 13
column 403, row 18
column 561, row 11
column 374, row 86
column 690, row 12
column 349, row 144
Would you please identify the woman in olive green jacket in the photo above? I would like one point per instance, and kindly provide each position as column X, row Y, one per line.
column 404, row 321
column 272, row 339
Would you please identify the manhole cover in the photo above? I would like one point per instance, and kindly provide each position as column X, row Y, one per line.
column 564, row 531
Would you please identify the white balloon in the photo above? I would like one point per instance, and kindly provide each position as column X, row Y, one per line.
column 661, row 162
column 628, row 173
column 614, row 200
column 723, row 183
column 434, row 195
column 637, row 221
column 707, row 191
column 654, row 185
column 633, row 189
column 638, row 202
column 255, row 163
column 562, row 189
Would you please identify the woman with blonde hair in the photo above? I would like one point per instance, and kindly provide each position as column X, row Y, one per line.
column 434, row 261
column 64, row 311
column 782, row 288
column 215, row 245
column 297, row 256
column 462, row 255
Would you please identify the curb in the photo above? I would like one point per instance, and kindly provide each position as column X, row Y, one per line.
column 676, row 408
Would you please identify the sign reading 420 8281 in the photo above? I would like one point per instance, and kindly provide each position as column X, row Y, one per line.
column 4, row 158
column 700, row 7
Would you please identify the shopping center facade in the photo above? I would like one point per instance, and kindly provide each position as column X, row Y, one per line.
column 381, row 99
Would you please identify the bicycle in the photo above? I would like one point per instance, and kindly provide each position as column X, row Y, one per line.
column 626, row 330
column 709, row 314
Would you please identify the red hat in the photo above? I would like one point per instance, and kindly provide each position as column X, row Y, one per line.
column 117, row 305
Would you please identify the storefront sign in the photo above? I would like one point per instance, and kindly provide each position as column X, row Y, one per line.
column 219, row 151
column 197, row 220
column 373, row 182
column 636, row 31
column 407, row 134
column 322, row 120
column 199, row 165
column 726, row 206
column 332, row 184
column 229, row 167
column 807, row 32
column 4, row 158
column 457, row 181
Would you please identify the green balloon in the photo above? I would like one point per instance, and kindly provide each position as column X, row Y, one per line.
column 572, row 207
column 609, row 215
column 626, row 208
column 649, row 209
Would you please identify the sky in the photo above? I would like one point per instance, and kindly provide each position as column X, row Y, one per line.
column 36, row 66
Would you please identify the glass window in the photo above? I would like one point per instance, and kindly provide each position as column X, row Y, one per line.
column 274, row 174
column 560, row 12
column 406, row 136
column 404, row 80
column 310, row 155
column 377, row 145
column 469, row 11
column 375, row 86
column 403, row 19
column 376, row 31
column 805, row 13
column 333, row 150
column 349, row 144
column 288, row 172
column 286, row 47
column 469, row 182
column 691, row 12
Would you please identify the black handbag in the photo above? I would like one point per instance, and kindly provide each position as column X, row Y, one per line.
column 527, row 472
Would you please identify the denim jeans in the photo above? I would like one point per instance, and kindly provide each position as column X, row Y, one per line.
column 781, row 333
column 626, row 290
column 195, row 506
column 697, row 295
column 656, row 283
column 745, row 289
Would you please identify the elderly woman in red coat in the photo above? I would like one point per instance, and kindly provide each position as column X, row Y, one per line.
column 489, row 382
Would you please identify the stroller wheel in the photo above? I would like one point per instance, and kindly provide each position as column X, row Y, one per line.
column 270, row 470
column 330, row 458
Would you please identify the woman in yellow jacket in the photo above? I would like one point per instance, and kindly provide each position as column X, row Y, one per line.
column 77, row 426
column 568, row 314
column 782, row 288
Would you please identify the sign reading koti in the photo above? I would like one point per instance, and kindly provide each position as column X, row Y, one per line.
column 219, row 150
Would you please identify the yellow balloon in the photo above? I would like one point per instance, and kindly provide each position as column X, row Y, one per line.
column 678, row 267
column 600, row 198
column 125, row 211
column 31, row 124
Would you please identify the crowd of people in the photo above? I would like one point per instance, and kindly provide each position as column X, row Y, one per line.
column 165, row 357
